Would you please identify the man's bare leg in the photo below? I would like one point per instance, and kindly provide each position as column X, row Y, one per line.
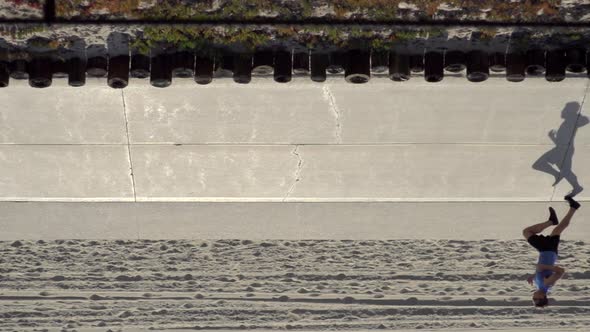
column 564, row 222
column 537, row 228
column 574, row 205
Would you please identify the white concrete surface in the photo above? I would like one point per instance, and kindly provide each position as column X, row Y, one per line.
column 58, row 115
column 382, row 111
column 495, row 112
column 229, row 114
column 65, row 173
column 360, row 221
column 301, row 141
column 169, row 173
column 433, row 172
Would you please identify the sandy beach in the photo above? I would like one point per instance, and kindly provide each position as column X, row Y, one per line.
column 302, row 285
column 304, row 206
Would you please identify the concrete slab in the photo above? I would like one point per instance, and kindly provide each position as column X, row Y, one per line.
column 58, row 115
column 64, row 172
column 379, row 112
column 339, row 173
column 196, row 172
column 490, row 112
column 396, row 144
column 256, row 221
column 422, row 173
column 242, row 114
column 51, row 221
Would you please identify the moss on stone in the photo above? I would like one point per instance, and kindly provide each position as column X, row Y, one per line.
column 249, row 39
column 485, row 33
column 405, row 35
column 21, row 32
column 197, row 38
column 307, row 7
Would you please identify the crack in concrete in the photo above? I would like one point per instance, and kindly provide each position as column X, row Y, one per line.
column 128, row 145
column 297, row 172
column 329, row 97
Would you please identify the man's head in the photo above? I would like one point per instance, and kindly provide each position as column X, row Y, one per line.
column 540, row 298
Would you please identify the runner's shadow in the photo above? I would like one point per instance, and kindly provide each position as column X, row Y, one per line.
column 558, row 161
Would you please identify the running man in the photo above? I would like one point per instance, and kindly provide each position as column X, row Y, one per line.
column 547, row 273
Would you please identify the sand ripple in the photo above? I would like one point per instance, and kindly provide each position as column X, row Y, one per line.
column 320, row 284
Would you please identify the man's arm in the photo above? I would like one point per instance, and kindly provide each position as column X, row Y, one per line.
column 552, row 136
column 530, row 279
column 558, row 273
column 582, row 121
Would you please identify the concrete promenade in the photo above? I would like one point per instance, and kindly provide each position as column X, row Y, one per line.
column 470, row 221
column 329, row 145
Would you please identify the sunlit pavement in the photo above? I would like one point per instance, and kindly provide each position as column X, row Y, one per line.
column 370, row 161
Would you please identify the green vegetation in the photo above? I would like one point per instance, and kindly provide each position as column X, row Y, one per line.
column 405, row 35
column 197, row 38
column 202, row 37
column 380, row 44
column 307, row 8
column 173, row 36
column 249, row 39
column 485, row 34
column 21, row 32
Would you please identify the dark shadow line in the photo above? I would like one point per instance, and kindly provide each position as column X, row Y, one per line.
column 51, row 19
column 49, row 11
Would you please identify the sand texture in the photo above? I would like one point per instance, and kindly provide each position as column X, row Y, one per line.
column 305, row 285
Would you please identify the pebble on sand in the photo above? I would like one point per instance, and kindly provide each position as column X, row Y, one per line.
column 16, row 244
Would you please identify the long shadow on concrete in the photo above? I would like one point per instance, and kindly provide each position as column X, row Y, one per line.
column 558, row 161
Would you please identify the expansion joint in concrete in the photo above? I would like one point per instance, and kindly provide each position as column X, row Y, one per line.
column 297, row 171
